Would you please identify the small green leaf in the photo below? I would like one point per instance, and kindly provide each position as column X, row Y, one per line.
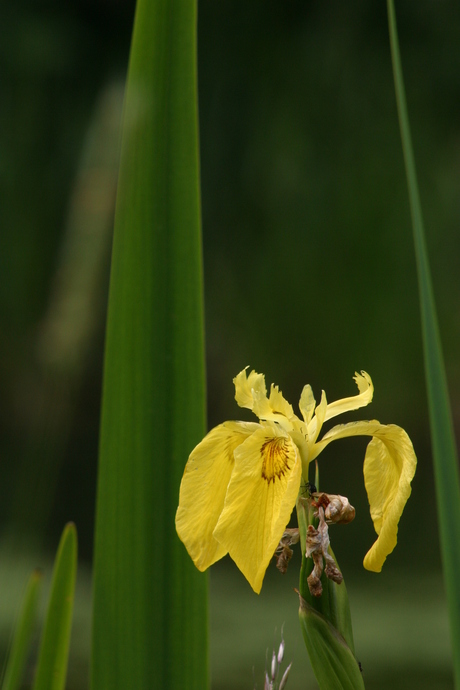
column 332, row 660
column 20, row 646
column 54, row 646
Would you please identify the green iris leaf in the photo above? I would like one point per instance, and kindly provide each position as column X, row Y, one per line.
column 443, row 440
column 150, row 603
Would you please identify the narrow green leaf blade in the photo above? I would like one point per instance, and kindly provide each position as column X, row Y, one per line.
column 150, row 603
column 443, row 440
column 20, row 646
column 333, row 662
column 54, row 645
column 338, row 608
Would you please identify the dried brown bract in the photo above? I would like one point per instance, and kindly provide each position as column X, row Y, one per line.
column 337, row 509
column 283, row 553
column 317, row 544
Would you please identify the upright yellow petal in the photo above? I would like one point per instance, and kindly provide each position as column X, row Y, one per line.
column 279, row 404
column 261, row 496
column 245, row 385
column 203, row 489
column 315, row 426
column 307, row 403
column 274, row 409
column 389, row 467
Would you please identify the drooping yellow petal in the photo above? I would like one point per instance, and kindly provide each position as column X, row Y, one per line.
column 203, row 489
column 389, row 467
column 261, row 496
column 245, row 385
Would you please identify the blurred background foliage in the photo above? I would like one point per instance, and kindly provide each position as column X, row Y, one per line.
column 309, row 276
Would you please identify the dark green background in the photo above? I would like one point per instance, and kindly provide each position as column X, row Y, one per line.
column 309, row 266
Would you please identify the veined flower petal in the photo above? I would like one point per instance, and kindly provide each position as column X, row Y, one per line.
column 245, row 385
column 389, row 467
column 261, row 496
column 203, row 488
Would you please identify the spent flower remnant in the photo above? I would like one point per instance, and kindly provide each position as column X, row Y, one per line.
column 241, row 482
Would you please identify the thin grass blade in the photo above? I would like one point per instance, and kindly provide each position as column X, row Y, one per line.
column 20, row 646
column 150, row 603
column 55, row 641
column 442, row 434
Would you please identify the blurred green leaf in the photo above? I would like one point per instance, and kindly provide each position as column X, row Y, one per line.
column 20, row 646
column 442, row 433
column 150, row 603
column 55, row 640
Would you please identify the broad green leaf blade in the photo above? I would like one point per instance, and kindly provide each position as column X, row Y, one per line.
column 55, row 640
column 20, row 646
column 150, row 603
column 442, row 434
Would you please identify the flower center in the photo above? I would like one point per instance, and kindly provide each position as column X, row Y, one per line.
column 275, row 458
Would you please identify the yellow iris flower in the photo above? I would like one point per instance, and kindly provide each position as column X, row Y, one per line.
column 242, row 481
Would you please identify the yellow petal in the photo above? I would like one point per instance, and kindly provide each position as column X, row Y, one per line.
column 307, row 403
column 261, row 496
column 366, row 392
column 317, row 422
column 203, row 488
column 389, row 467
column 245, row 385
column 275, row 408
column 279, row 404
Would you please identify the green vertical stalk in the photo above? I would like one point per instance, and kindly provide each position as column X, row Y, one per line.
column 442, row 435
column 150, row 602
